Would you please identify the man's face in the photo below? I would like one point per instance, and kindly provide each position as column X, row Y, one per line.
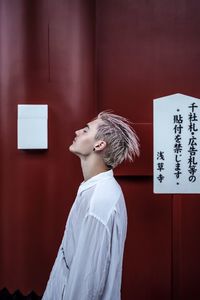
column 84, row 141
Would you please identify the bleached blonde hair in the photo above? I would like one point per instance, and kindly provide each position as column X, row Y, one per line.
column 121, row 139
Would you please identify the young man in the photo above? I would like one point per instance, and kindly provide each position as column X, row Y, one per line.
column 89, row 261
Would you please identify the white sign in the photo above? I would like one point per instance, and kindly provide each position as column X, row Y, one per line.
column 32, row 126
column 177, row 144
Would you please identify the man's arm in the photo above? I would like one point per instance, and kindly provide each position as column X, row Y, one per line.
column 89, row 268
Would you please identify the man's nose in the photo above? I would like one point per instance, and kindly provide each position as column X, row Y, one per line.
column 77, row 132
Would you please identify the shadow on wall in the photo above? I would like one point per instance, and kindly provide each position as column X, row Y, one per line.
column 17, row 295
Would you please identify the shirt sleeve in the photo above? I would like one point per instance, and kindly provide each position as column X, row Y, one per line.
column 89, row 268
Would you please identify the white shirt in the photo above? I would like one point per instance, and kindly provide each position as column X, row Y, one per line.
column 89, row 261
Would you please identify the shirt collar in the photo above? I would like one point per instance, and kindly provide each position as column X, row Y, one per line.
column 94, row 180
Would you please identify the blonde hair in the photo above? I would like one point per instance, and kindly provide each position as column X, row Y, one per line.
column 121, row 139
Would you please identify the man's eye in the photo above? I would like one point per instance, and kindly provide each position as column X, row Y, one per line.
column 85, row 130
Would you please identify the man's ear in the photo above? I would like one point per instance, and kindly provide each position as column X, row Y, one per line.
column 99, row 145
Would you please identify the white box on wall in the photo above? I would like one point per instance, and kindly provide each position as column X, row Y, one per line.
column 32, row 126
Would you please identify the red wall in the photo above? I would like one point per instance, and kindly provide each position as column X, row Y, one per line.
column 81, row 57
column 47, row 56
column 145, row 50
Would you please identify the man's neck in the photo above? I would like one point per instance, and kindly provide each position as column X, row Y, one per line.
column 92, row 168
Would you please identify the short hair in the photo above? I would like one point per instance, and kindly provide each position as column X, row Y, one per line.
column 121, row 139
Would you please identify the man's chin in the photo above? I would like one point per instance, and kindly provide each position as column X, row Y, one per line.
column 71, row 148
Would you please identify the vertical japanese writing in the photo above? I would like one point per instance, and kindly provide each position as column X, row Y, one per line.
column 160, row 165
column 178, row 127
column 192, row 143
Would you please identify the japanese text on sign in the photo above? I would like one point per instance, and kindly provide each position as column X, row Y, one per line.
column 176, row 143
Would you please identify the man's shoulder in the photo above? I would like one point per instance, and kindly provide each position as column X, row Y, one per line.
column 104, row 199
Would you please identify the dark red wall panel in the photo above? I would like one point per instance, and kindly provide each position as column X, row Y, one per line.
column 81, row 57
column 147, row 261
column 47, row 56
column 145, row 50
column 190, row 247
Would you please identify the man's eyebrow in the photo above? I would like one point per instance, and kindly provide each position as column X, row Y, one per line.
column 87, row 126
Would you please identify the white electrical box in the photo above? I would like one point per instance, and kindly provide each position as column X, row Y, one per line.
column 32, row 126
